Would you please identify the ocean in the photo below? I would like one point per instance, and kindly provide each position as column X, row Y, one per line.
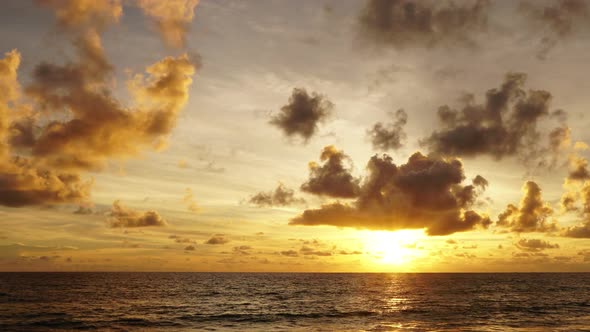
column 294, row 301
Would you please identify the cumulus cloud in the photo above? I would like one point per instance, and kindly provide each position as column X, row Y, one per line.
column 172, row 18
column 281, row 196
column 426, row 192
column 121, row 216
column 390, row 136
column 217, row 239
column 578, row 168
column 411, row 23
column 581, row 230
column 302, row 115
column 535, row 245
column 66, row 119
column 333, row 178
column 532, row 214
column 505, row 125
column 558, row 21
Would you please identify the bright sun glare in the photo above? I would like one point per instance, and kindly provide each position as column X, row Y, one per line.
column 395, row 248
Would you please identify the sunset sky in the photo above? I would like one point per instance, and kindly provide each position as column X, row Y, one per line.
column 333, row 135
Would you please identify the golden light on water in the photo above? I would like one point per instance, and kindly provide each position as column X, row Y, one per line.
column 393, row 248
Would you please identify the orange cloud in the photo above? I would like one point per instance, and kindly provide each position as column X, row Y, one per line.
column 172, row 18
column 426, row 192
column 122, row 216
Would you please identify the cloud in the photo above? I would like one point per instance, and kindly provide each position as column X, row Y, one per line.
column 333, row 178
column 505, row 125
column 409, row 23
column 281, row 196
column 535, row 245
column 578, row 169
column 308, row 251
column 531, row 215
column 189, row 200
column 217, row 239
column 426, row 192
column 242, row 250
column 172, row 18
column 189, row 248
column 67, row 119
column 289, row 253
column 180, row 239
column 302, row 115
column 582, row 230
column 558, row 21
column 389, row 136
column 121, row 216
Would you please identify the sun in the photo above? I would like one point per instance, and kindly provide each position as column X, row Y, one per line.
column 393, row 248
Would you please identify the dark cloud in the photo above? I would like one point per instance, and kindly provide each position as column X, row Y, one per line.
column 189, row 248
column 411, row 23
column 302, row 115
column 217, row 239
column 390, row 136
column 426, row 192
column 121, row 216
column 333, row 178
column 556, row 22
column 289, row 253
column 535, row 245
column 505, row 125
column 281, row 196
column 532, row 214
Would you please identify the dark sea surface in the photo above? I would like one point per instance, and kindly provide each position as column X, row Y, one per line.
column 294, row 301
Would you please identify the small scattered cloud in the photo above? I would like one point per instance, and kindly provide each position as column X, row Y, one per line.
column 281, row 196
column 535, row 245
column 302, row 115
column 217, row 239
column 389, row 136
column 121, row 216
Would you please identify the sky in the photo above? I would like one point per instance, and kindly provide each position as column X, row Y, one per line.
column 282, row 136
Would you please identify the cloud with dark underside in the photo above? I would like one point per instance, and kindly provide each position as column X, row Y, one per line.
column 281, row 196
column 425, row 23
column 557, row 21
column 122, row 216
column 66, row 119
column 217, row 239
column 506, row 124
column 289, row 253
column 333, row 178
column 535, row 245
column 576, row 198
column 303, row 114
column 389, row 136
column 425, row 193
column 531, row 215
